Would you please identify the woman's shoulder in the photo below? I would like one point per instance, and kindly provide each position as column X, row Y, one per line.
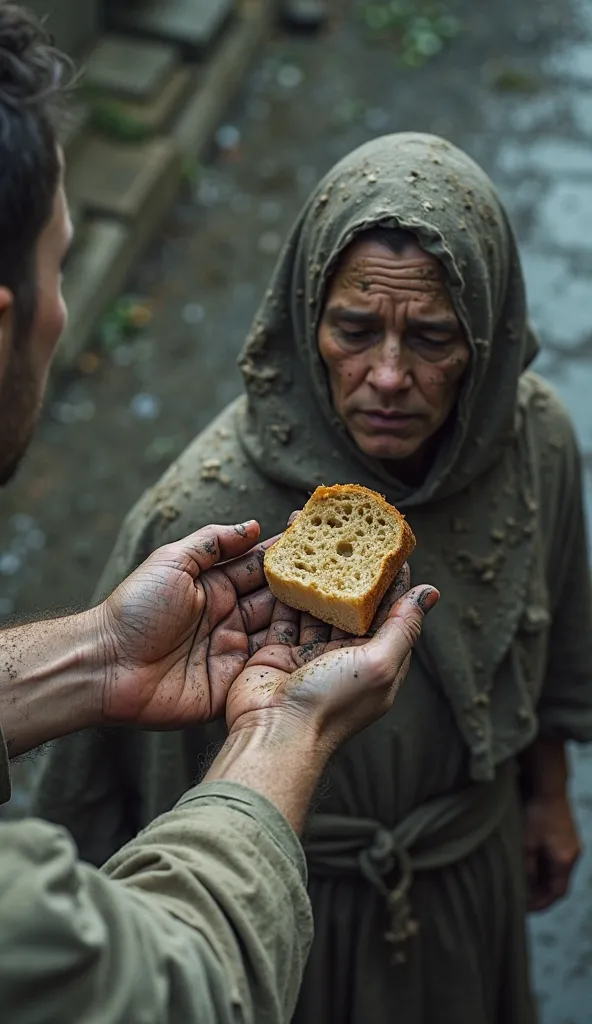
column 553, row 448
column 546, row 414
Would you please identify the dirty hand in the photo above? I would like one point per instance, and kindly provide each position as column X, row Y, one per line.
column 176, row 632
column 552, row 847
column 314, row 677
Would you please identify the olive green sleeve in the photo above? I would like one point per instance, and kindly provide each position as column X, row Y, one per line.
column 202, row 917
column 565, row 705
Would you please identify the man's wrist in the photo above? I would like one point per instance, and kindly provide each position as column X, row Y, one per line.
column 281, row 757
column 52, row 680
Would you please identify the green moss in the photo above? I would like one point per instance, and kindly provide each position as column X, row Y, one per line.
column 417, row 29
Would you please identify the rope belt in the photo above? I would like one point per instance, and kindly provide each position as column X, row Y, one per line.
column 440, row 832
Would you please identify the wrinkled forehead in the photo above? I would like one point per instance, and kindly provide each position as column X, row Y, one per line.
column 389, row 265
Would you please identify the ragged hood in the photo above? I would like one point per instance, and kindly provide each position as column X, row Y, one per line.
column 475, row 514
column 421, row 184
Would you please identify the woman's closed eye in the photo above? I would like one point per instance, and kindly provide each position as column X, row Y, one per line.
column 357, row 335
column 430, row 345
column 354, row 327
column 425, row 339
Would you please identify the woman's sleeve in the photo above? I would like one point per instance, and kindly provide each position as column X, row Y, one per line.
column 565, row 706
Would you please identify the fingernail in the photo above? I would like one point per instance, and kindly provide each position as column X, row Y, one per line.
column 243, row 528
column 427, row 599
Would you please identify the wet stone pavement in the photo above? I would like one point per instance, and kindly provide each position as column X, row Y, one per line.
column 514, row 89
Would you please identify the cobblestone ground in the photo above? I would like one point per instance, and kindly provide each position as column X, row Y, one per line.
column 515, row 90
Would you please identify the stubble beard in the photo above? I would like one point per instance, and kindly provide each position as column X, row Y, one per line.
column 20, row 407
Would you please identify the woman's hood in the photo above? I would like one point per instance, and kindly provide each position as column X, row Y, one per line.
column 417, row 183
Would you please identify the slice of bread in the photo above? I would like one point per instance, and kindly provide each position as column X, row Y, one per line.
column 340, row 556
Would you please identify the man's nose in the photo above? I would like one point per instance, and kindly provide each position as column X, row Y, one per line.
column 390, row 370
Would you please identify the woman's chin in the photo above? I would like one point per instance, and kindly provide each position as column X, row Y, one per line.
column 387, row 449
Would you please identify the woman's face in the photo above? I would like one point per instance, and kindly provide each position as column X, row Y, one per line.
column 394, row 349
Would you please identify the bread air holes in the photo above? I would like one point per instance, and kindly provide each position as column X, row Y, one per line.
column 333, row 522
column 304, row 568
column 345, row 549
column 317, row 521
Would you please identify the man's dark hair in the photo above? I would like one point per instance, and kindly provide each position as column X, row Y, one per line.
column 32, row 79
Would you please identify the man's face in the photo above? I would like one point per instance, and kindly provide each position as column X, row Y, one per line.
column 394, row 349
column 25, row 362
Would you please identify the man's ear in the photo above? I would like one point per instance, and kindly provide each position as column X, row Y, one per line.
column 6, row 328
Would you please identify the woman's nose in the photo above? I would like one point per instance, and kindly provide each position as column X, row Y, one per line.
column 390, row 369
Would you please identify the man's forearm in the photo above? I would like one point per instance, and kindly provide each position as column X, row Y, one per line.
column 277, row 760
column 51, row 676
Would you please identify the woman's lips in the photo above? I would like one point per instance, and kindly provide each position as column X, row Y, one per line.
column 389, row 421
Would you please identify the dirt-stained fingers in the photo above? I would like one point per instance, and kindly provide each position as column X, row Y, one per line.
column 257, row 610
column 398, row 588
column 285, row 625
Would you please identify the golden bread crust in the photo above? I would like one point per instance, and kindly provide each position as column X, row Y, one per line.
column 352, row 614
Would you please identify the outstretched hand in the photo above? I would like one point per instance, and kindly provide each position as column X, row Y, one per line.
column 195, row 632
column 176, row 631
column 316, row 676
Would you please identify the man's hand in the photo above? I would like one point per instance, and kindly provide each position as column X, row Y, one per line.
column 306, row 690
column 176, row 632
column 552, row 847
column 315, row 676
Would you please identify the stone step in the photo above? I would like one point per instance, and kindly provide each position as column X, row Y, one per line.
column 92, row 280
column 124, row 180
column 126, row 120
column 133, row 69
column 102, row 262
column 193, row 25
column 222, row 77
column 119, row 193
